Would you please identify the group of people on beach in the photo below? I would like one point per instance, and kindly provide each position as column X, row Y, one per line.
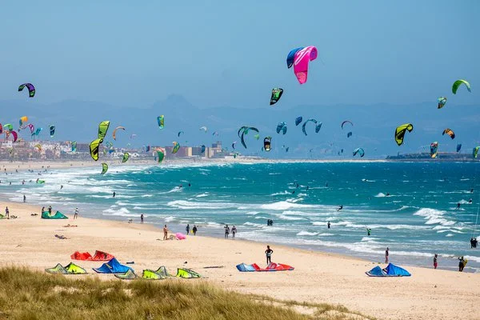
column 227, row 231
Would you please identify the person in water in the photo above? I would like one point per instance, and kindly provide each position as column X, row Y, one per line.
column 328, row 224
column 227, row 231
column 458, row 205
column 340, row 208
column 435, row 263
column 369, row 231
column 268, row 253
column 114, row 194
column 461, row 264
column 141, row 218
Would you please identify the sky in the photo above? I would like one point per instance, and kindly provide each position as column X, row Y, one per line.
column 232, row 53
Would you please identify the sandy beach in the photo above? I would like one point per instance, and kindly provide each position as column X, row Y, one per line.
column 318, row 277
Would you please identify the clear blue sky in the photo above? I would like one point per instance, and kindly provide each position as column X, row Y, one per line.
column 231, row 53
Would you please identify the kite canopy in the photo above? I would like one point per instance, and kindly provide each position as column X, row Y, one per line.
column 298, row 120
column 390, row 271
column 104, row 168
column 243, row 131
column 187, row 273
column 205, row 129
column 52, row 131
column 23, row 121
column 202, row 150
column 458, row 83
column 176, row 146
column 102, row 129
column 94, row 147
column 112, row 266
column 160, row 154
column 349, row 134
column 400, row 132
column 441, row 102
column 179, row 133
column 30, row 87
column 291, row 56
column 267, row 144
column 475, row 152
column 74, row 146
column 126, row 156
column 459, row 147
column 305, row 124
column 282, row 127
column 359, row 151
column 114, row 133
column 345, row 122
column 434, row 149
column 57, row 215
column 276, row 95
column 301, row 61
column 449, row 132
column 161, row 121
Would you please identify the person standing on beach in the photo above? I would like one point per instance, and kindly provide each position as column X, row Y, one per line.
column 7, row 213
column 194, row 230
column 165, row 233
column 75, row 215
column 386, row 255
column 227, row 231
column 268, row 253
column 49, row 209
column 234, row 230
column 43, row 209
column 24, row 199
column 187, row 228
column 141, row 218
column 435, row 264
column 461, row 264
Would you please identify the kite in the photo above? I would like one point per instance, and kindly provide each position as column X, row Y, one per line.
column 449, row 132
column 475, row 151
column 215, row 133
column 298, row 120
column 301, row 61
column 441, row 102
column 147, row 148
column 400, row 132
column 434, row 149
column 243, row 131
column 30, row 87
column 276, row 95
column 8, row 127
column 126, row 156
column 74, row 146
column 1, row 128
column 161, row 121
column 52, row 131
column 305, row 124
column 318, row 127
column 349, row 134
column 133, row 135
column 345, row 122
column 94, row 147
column 291, row 56
column 233, row 144
column 267, row 144
column 204, row 129
column 458, row 83
column 32, row 128
column 37, row 132
column 202, row 150
column 179, row 133
column 102, row 129
column 459, row 147
column 282, row 127
column 104, row 168
column 160, row 154
column 114, row 133
column 176, row 146
column 14, row 135
column 359, row 151
column 23, row 122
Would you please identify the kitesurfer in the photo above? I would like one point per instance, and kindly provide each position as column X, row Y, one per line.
column 268, row 253
column 473, row 243
column 369, row 231
column 340, row 208
column 114, row 194
column 328, row 224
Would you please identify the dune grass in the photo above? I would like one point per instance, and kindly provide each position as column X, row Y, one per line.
column 25, row 294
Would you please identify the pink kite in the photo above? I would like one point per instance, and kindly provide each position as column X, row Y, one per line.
column 180, row 236
column 302, row 58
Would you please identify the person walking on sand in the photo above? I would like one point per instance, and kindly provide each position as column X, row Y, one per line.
column 187, row 228
column 268, row 253
column 386, row 255
column 234, row 230
column 75, row 215
column 165, row 233
column 435, row 264
column 194, row 230
column 141, row 218
column 227, row 231
column 7, row 213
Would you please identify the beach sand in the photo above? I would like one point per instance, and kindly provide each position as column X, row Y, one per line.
column 318, row 277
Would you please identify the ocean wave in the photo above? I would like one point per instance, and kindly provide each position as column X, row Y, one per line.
column 284, row 205
column 434, row 216
column 306, row 233
column 202, row 195
column 285, row 217
column 188, row 205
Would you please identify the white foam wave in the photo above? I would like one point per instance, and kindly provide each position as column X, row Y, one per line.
column 284, row 205
column 306, row 233
column 434, row 216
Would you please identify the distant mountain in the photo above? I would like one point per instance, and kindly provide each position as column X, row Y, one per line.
column 373, row 127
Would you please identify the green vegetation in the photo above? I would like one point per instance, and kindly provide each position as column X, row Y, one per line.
column 25, row 294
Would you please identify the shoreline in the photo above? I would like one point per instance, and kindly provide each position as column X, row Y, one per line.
column 318, row 276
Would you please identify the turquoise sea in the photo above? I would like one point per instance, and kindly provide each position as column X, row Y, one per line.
column 410, row 207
